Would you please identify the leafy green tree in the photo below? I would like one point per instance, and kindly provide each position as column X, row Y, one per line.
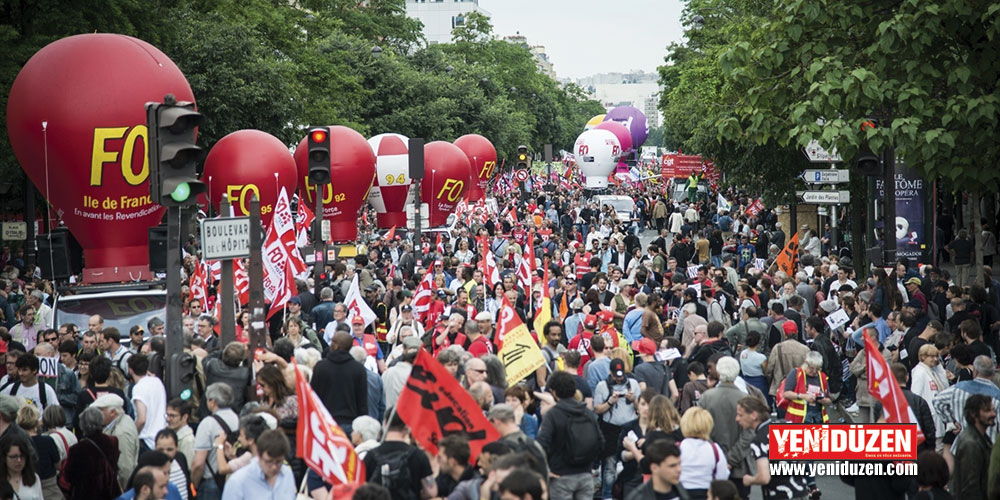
column 923, row 70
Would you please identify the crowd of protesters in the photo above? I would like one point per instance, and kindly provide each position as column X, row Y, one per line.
column 662, row 366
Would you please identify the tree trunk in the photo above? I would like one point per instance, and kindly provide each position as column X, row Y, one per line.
column 859, row 184
column 977, row 237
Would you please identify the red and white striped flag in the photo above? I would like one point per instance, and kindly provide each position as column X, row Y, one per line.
column 241, row 281
column 425, row 294
column 439, row 245
column 303, row 221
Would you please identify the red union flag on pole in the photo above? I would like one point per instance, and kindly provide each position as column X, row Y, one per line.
column 434, row 405
column 323, row 445
column 883, row 386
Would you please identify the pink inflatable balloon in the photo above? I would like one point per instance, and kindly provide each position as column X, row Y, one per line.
column 622, row 133
column 247, row 161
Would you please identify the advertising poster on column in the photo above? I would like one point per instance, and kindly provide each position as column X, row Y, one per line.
column 911, row 205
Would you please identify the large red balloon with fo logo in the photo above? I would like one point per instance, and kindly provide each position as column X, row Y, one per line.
column 447, row 174
column 352, row 170
column 249, row 162
column 483, row 158
column 77, row 123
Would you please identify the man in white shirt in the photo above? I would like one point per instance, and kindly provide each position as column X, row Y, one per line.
column 339, row 317
column 28, row 389
column 149, row 398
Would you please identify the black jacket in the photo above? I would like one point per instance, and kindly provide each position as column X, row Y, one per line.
column 831, row 361
column 645, row 492
column 925, row 419
column 553, row 435
column 342, row 384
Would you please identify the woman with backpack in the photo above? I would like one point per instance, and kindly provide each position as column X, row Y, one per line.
column 702, row 461
column 90, row 470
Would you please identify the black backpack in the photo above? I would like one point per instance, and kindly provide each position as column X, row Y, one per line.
column 231, row 437
column 393, row 472
column 584, row 439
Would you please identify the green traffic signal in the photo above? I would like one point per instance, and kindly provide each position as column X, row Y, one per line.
column 181, row 193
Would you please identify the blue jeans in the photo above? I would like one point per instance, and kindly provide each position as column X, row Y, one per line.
column 208, row 490
column 608, row 475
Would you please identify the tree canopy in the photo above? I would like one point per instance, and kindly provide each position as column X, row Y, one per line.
column 283, row 66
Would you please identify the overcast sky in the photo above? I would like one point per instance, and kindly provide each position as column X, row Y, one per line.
column 585, row 37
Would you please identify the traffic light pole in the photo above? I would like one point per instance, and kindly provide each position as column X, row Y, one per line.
column 417, row 218
column 319, row 246
column 258, row 332
column 889, row 205
column 175, row 329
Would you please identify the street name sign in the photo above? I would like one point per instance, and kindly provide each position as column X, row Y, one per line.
column 819, row 176
column 225, row 239
column 824, row 197
column 817, row 154
column 15, row 231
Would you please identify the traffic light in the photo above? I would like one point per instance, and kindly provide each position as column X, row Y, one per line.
column 182, row 373
column 173, row 154
column 522, row 156
column 868, row 163
column 319, row 156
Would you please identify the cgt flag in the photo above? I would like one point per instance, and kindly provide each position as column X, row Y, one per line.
column 883, row 386
column 321, row 443
column 519, row 352
column 434, row 405
column 789, row 256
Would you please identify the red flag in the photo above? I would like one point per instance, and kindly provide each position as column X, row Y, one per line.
column 434, row 405
column 439, row 245
column 882, row 385
column 321, row 443
column 303, row 221
column 286, row 291
column 241, row 281
column 389, row 236
column 198, row 282
column 425, row 294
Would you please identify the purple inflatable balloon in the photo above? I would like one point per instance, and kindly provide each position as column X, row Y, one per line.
column 622, row 133
column 634, row 120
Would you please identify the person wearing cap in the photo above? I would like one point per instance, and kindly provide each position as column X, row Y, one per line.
column 913, row 289
column 404, row 319
column 612, row 337
column 118, row 424
column 562, row 303
column 652, row 373
column 785, row 357
column 485, row 322
column 615, row 401
column 368, row 342
column 582, row 342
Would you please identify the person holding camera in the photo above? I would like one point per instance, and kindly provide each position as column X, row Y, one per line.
column 615, row 404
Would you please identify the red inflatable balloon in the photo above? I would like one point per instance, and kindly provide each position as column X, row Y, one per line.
column 245, row 162
column 483, row 157
column 391, row 192
column 352, row 168
column 77, row 123
column 622, row 133
column 446, row 177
